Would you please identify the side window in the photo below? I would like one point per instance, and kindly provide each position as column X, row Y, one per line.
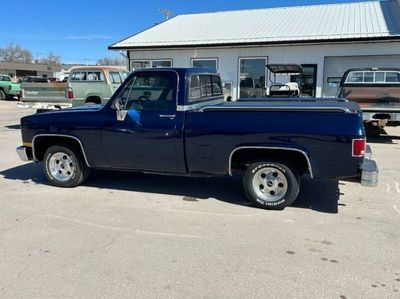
column 368, row 77
column 216, row 86
column 203, row 87
column 355, row 77
column 380, row 77
column 95, row 76
column 194, row 89
column 115, row 78
column 392, row 77
column 78, row 76
column 150, row 92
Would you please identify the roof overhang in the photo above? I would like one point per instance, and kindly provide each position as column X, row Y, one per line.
column 394, row 38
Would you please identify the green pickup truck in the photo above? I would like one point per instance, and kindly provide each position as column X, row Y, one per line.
column 85, row 85
column 8, row 89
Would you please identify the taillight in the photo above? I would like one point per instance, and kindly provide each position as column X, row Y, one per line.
column 359, row 146
column 70, row 93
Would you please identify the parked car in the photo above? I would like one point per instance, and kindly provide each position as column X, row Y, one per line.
column 85, row 85
column 251, row 88
column 35, row 79
column 377, row 91
column 8, row 89
column 175, row 121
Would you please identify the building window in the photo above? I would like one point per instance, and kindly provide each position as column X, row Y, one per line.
column 211, row 63
column 252, row 77
column 146, row 64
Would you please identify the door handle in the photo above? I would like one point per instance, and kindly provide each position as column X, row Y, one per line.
column 170, row 116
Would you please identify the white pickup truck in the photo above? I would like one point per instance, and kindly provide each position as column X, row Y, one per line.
column 85, row 85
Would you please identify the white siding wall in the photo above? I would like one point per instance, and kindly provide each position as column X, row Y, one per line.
column 300, row 54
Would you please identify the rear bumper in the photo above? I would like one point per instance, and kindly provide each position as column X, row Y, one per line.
column 24, row 153
column 369, row 170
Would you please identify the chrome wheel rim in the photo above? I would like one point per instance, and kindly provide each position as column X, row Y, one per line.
column 270, row 184
column 61, row 166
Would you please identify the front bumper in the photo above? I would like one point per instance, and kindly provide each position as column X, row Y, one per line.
column 369, row 170
column 24, row 153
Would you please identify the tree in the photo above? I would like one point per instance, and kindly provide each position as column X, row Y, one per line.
column 51, row 59
column 14, row 53
column 120, row 61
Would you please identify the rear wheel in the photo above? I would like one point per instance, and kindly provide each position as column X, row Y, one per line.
column 271, row 185
column 64, row 166
column 2, row 95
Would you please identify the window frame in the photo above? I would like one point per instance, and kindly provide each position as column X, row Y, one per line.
column 192, row 60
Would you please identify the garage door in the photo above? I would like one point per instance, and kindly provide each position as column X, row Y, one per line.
column 336, row 66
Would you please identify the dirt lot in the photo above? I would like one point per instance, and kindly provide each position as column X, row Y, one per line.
column 134, row 235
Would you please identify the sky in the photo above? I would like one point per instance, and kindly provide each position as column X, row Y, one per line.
column 80, row 31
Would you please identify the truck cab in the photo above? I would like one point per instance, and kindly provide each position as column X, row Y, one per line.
column 8, row 89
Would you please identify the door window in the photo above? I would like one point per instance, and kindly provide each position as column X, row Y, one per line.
column 149, row 92
column 252, row 72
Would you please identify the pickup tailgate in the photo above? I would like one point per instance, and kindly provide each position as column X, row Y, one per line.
column 374, row 98
column 44, row 92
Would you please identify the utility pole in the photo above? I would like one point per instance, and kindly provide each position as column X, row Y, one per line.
column 167, row 13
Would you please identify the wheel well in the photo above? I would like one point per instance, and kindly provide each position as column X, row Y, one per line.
column 93, row 99
column 243, row 157
column 42, row 143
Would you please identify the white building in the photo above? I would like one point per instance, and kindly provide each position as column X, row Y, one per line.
column 326, row 39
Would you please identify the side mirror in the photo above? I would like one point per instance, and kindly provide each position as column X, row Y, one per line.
column 121, row 115
column 119, row 109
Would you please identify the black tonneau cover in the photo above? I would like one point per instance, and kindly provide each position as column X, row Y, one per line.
column 267, row 104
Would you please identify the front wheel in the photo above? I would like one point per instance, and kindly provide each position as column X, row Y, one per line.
column 2, row 95
column 271, row 185
column 64, row 166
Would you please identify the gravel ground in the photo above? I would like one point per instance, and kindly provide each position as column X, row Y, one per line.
column 132, row 235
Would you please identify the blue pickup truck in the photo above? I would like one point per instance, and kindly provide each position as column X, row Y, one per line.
column 175, row 121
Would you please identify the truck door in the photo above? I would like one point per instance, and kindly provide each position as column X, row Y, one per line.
column 146, row 137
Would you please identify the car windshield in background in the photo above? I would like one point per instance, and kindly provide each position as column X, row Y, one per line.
column 5, row 78
column 115, row 78
column 368, row 77
column 124, row 75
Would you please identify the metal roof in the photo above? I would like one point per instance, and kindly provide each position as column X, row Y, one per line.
column 345, row 21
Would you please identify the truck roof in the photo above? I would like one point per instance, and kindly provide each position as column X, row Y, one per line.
column 183, row 70
column 96, row 67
